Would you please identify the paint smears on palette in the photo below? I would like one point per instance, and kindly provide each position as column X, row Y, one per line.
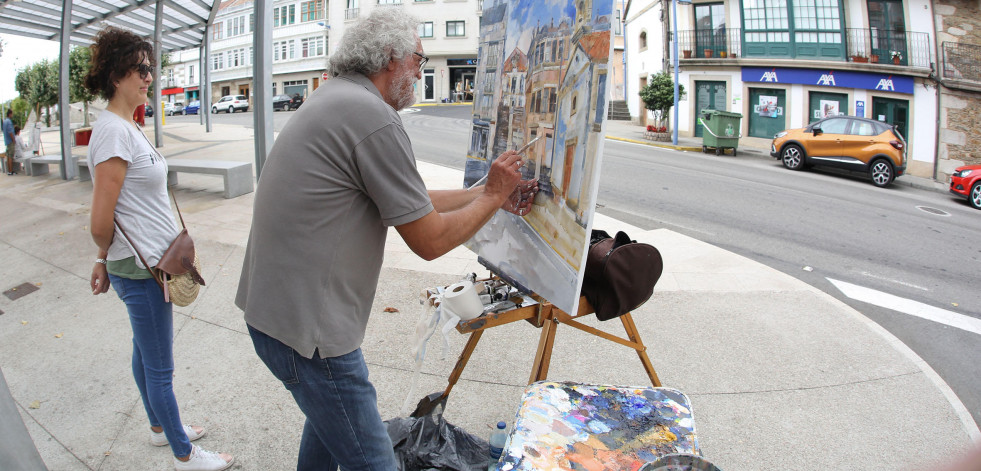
column 589, row 427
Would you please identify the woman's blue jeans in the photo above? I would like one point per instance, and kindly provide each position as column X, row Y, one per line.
column 153, row 355
column 343, row 427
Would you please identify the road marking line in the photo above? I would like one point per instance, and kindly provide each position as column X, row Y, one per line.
column 908, row 306
column 898, row 282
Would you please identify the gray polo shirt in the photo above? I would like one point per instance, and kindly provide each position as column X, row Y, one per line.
column 337, row 176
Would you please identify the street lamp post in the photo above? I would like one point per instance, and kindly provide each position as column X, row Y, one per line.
column 674, row 61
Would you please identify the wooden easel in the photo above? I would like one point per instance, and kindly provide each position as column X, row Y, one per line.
column 547, row 317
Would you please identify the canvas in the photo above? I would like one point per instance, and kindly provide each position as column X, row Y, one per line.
column 543, row 72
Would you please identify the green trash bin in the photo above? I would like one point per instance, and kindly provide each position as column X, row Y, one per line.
column 721, row 131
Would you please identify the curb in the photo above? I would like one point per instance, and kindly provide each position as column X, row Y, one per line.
column 652, row 144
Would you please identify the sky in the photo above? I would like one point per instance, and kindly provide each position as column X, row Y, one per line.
column 20, row 52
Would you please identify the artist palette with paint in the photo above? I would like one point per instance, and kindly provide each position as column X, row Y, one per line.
column 589, row 427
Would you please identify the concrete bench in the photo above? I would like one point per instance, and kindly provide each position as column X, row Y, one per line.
column 237, row 175
column 37, row 166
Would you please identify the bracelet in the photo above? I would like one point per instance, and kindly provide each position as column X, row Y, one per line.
column 100, row 260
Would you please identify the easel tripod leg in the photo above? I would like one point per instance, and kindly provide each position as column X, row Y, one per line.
column 634, row 335
column 461, row 362
column 544, row 355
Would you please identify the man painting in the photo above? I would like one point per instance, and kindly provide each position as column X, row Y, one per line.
column 336, row 179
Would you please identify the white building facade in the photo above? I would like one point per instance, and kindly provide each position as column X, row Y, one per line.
column 449, row 31
column 785, row 63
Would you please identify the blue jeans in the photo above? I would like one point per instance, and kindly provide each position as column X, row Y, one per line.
column 343, row 427
column 153, row 355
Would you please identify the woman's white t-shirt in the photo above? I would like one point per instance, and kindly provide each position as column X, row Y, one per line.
column 143, row 207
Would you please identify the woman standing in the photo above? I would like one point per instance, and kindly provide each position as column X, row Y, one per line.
column 130, row 186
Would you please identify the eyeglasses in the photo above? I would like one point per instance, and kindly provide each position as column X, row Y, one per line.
column 423, row 60
column 144, row 70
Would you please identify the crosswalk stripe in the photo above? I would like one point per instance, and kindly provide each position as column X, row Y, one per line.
column 908, row 306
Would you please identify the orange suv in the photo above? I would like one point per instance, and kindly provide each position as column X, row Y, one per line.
column 844, row 142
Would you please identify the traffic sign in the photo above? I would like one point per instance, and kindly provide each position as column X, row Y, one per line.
column 324, row 75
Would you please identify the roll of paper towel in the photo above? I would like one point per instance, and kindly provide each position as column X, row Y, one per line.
column 462, row 299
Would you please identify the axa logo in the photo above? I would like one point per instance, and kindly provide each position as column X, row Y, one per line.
column 770, row 76
column 886, row 85
column 827, row 79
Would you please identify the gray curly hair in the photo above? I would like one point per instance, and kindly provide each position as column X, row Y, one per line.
column 367, row 47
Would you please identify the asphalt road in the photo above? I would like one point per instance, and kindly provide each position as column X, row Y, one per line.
column 915, row 244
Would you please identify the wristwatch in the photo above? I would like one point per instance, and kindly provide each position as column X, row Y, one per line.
column 100, row 260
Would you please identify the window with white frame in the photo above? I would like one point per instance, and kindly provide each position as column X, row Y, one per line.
column 190, row 75
column 311, row 47
column 389, row 2
column 284, row 15
column 456, row 28
column 251, row 22
column 312, row 10
column 218, row 61
column 618, row 25
column 426, row 29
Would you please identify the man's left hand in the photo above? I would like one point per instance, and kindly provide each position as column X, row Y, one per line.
column 522, row 198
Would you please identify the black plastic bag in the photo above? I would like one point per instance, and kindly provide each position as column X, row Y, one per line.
column 432, row 443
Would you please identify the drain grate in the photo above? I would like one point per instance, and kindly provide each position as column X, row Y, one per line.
column 938, row 212
column 20, row 291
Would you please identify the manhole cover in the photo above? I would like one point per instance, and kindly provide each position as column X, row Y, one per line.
column 938, row 212
column 20, row 291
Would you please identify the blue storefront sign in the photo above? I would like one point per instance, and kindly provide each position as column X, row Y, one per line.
column 830, row 78
column 860, row 108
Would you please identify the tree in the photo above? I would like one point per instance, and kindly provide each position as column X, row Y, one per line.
column 38, row 84
column 658, row 96
column 21, row 109
column 79, row 63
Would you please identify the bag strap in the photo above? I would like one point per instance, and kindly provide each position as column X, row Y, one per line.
column 179, row 215
column 142, row 260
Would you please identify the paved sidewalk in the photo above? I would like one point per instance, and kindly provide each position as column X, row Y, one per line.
column 780, row 374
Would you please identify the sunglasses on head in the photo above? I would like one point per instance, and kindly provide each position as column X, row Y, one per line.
column 144, row 70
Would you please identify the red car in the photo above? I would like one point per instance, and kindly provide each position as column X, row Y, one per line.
column 966, row 183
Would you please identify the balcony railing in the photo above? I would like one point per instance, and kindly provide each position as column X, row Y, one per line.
column 961, row 61
column 709, row 44
column 351, row 13
column 890, row 47
column 860, row 44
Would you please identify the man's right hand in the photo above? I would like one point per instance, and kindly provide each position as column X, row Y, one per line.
column 504, row 175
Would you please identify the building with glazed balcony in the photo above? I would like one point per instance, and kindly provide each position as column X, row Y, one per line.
column 786, row 63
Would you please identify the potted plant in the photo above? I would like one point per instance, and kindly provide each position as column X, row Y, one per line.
column 874, row 58
column 687, row 53
column 897, row 57
column 723, row 54
column 708, row 53
column 860, row 59
column 658, row 97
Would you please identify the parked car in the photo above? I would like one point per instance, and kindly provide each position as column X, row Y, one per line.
column 192, row 107
column 172, row 108
column 147, row 110
column 231, row 104
column 966, row 183
column 845, row 142
column 282, row 102
column 297, row 101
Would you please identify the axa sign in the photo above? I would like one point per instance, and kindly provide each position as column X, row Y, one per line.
column 828, row 80
column 886, row 85
column 770, row 76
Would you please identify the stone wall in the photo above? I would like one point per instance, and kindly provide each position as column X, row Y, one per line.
column 959, row 21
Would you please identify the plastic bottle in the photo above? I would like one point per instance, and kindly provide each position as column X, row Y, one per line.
column 497, row 439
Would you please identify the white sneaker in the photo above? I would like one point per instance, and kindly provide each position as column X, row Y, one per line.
column 204, row 460
column 160, row 439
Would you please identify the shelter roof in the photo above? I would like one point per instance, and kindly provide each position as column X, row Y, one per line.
column 184, row 25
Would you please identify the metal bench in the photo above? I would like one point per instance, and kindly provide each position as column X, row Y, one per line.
column 37, row 166
column 237, row 175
